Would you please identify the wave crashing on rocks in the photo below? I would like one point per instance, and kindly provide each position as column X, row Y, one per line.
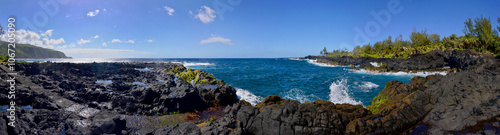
column 339, row 93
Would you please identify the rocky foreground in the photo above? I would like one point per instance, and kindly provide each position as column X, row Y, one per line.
column 98, row 98
column 67, row 98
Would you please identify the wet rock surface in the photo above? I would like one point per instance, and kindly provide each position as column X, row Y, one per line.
column 96, row 98
column 107, row 98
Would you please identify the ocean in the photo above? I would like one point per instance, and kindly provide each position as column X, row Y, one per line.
column 302, row 80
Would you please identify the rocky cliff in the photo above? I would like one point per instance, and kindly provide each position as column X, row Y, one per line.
column 31, row 51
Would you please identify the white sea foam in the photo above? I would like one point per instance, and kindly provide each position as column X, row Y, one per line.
column 76, row 60
column 422, row 73
column 322, row 64
column 297, row 59
column 248, row 96
column 339, row 93
column 299, row 95
column 190, row 64
column 367, row 86
column 375, row 64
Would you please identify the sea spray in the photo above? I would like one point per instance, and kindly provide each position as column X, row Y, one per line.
column 366, row 86
column 339, row 93
column 314, row 62
column 273, row 76
column 299, row 95
column 191, row 64
column 248, row 96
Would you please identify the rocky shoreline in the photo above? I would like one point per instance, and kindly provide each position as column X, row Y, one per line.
column 98, row 98
column 153, row 98
column 435, row 61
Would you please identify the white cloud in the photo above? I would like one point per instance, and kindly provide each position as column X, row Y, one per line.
column 83, row 41
column 105, row 10
column 169, row 10
column 215, row 38
column 41, row 39
column 206, row 16
column 66, row 46
column 47, row 33
column 61, row 47
column 100, row 53
column 120, row 41
column 47, row 41
column 116, row 41
column 92, row 14
column 104, row 44
column 96, row 36
column 130, row 41
column 150, row 41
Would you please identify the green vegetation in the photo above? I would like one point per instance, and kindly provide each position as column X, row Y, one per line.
column 377, row 101
column 198, row 76
column 3, row 59
column 176, row 70
column 31, row 51
column 479, row 36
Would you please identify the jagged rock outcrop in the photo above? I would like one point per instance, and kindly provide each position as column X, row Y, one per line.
column 446, row 104
column 95, row 98
column 278, row 116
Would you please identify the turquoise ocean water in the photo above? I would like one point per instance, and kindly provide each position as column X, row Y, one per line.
column 300, row 80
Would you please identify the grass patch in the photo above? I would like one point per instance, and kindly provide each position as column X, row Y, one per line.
column 377, row 101
column 198, row 76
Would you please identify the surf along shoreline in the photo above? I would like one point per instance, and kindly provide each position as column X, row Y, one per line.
column 187, row 108
column 433, row 62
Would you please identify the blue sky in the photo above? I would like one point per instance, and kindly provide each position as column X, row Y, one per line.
column 228, row 29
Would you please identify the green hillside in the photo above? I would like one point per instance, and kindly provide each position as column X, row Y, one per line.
column 31, row 51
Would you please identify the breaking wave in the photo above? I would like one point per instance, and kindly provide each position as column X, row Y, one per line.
column 339, row 93
column 366, row 86
column 299, row 95
column 314, row 62
column 190, row 64
column 248, row 96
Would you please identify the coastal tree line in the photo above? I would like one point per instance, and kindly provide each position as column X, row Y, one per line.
column 479, row 35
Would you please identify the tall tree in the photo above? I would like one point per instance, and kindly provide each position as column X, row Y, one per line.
column 498, row 27
column 419, row 38
column 435, row 38
column 469, row 28
column 324, row 52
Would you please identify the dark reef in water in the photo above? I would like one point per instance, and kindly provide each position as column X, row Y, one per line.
column 129, row 98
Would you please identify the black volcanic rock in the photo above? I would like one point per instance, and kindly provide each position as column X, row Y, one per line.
column 67, row 99
column 220, row 96
column 288, row 117
column 446, row 104
column 435, row 60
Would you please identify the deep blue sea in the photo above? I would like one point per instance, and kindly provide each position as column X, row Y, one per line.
column 300, row 80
